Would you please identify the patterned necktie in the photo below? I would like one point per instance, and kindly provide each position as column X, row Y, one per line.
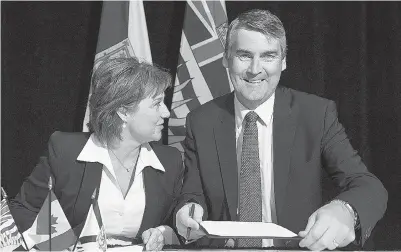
column 250, row 200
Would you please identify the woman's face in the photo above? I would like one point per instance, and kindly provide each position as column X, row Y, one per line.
column 145, row 123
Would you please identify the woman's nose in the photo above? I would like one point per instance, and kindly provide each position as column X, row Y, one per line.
column 165, row 113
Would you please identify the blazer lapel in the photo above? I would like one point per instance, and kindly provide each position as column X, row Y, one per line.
column 284, row 126
column 153, row 190
column 224, row 135
column 91, row 177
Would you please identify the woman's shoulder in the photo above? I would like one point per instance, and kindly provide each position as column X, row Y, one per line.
column 68, row 142
column 69, row 137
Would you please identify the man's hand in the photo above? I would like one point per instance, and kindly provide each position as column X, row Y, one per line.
column 153, row 239
column 330, row 226
column 184, row 221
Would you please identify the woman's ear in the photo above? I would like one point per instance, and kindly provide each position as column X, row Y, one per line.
column 122, row 113
column 225, row 60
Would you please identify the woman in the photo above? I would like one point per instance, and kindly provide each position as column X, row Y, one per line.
column 134, row 181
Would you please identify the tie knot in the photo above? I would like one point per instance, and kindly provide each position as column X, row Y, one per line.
column 251, row 117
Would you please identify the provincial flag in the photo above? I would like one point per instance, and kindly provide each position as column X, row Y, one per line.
column 55, row 223
column 9, row 235
column 201, row 76
column 123, row 32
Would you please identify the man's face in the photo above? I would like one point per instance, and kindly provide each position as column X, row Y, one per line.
column 255, row 63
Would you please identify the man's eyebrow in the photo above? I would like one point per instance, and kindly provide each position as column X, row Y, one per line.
column 270, row 52
column 242, row 51
column 273, row 52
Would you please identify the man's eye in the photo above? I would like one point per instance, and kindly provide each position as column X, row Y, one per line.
column 244, row 57
column 268, row 57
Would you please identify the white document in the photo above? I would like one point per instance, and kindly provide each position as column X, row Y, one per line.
column 132, row 248
column 245, row 229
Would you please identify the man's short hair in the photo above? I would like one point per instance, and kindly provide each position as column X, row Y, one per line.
column 262, row 21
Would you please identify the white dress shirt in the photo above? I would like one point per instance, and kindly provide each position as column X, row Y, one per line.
column 121, row 216
column 265, row 136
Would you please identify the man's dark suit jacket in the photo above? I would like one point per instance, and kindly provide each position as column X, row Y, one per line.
column 75, row 181
column 306, row 138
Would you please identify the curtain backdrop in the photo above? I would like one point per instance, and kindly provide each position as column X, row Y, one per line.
column 346, row 51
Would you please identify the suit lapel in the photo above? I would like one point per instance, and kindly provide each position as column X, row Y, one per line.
column 284, row 126
column 224, row 135
column 92, row 173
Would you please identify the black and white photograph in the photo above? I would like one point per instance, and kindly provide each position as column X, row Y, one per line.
column 200, row 125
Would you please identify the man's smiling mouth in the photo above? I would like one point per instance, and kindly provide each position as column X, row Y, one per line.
column 253, row 81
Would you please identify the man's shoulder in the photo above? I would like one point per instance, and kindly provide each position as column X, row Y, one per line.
column 213, row 106
column 306, row 101
column 165, row 150
column 170, row 157
column 304, row 97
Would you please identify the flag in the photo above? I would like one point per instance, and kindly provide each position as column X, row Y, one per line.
column 122, row 33
column 200, row 73
column 62, row 236
column 9, row 235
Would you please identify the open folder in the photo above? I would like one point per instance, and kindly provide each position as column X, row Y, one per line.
column 235, row 229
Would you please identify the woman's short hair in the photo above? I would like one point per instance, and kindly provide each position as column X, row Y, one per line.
column 262, row 21
column 121, row 83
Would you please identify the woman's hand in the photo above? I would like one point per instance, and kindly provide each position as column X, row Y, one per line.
column 153, row 239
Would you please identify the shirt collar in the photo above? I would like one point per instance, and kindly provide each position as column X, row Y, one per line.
column 96, row 153
column 264, row 110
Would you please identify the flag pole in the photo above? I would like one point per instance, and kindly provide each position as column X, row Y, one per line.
column 50, row 214
column 5, row 196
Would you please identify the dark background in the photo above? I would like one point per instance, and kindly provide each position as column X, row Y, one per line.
column 349, row 52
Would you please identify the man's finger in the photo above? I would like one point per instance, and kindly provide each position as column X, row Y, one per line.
column 196, row 234
column 311, row 222
column 198, row 213
column 314, row 234
column 348, row 236
column 184, row 220
column 328, row 240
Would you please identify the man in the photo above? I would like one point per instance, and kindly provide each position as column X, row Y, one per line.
column 257, row 154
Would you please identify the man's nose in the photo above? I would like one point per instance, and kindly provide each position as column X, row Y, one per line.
column 255, row 67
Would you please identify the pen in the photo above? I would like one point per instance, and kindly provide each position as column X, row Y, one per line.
column 191, row 214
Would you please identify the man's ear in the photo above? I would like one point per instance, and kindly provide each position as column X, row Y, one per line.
column 225, row 60
column 284, row 64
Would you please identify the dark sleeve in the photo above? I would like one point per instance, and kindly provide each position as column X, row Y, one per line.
column 26, row 205
column 358, row 186
column 192, row 187
column 169, row 221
